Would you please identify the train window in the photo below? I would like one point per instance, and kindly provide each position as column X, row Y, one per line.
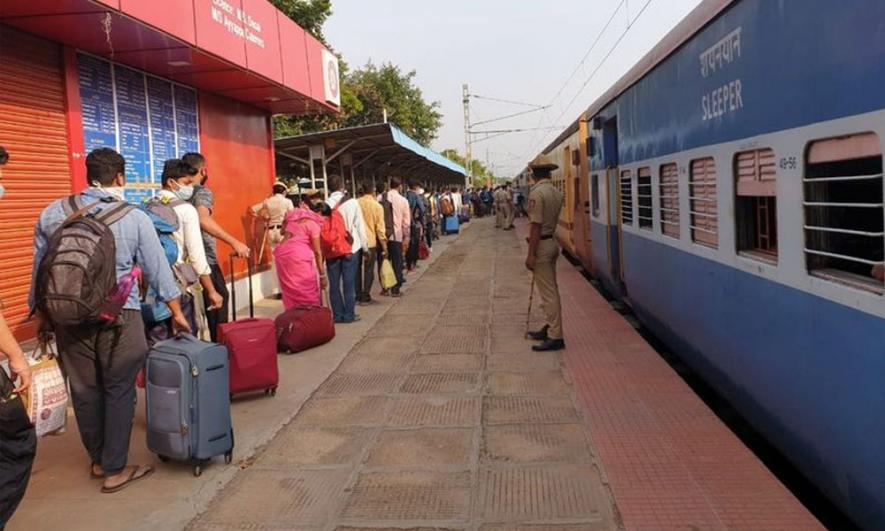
column 670, row 200
column 702, row 198
column 756, row 204
column 626, row 197
column 643, row 196
column 844, row 220
column 594, row 195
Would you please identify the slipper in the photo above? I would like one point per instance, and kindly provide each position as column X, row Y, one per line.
column 140, row 472
column 93, row 475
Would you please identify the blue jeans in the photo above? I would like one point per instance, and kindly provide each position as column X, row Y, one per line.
column 343, row 271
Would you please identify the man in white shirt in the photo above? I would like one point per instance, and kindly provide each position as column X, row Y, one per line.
column 178, row 188
column 342, row 271
column 456, row 199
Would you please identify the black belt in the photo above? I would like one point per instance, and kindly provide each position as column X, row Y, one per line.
column 274, row 226
column 548, row 237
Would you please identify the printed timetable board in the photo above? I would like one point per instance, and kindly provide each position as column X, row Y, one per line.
column 145, row 118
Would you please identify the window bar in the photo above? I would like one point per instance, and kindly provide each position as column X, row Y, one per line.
column 847, row 178
column 847, row 205
column 844, row 257
column 845, row 231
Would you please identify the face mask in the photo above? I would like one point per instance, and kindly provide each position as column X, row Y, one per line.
column 184, row 192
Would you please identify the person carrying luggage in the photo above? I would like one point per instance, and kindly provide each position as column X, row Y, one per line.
column 18, row 442
column 376, row 236
column 204, row 201
column 190, row 265
column 342, row 269
column 299, row 259
column 100, row 358
column 398, row 231
column 416, row 227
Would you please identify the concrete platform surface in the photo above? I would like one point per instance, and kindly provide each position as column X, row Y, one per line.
column 61, row 495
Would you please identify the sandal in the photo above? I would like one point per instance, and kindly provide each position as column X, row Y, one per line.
column 93, row 475
column 138, row 473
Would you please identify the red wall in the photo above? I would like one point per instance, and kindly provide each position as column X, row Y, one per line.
column 237, row 143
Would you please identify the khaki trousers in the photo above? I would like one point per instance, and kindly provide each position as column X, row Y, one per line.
column 500, row 214
column 508, row 222
column 545, row 280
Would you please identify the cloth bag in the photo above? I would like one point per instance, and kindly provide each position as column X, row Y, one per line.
column 47, row 399
column 388, row 277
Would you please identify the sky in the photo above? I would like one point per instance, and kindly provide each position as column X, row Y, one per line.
column 550, row 54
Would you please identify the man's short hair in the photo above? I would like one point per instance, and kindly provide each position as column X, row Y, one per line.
column 380, row 187
column 279, row 189
column 103, row 165
column 4, row 156
column 395, row 182
column 176, row 169
column 413, row 183
column 365, row 189
column 195, row 159
column 335, row 183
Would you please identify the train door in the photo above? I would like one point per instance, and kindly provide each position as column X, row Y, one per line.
column 612, row 183
column 581, row 214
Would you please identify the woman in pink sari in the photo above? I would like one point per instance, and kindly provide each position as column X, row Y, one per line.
column 299, row 259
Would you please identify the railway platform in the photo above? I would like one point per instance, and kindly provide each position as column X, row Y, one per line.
column 432, row 413
column 442, row 418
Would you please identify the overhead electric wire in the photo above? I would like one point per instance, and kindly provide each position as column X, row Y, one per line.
column 511, row 102
column 509, row 116
column 604, row 59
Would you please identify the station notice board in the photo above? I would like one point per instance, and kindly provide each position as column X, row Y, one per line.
column 145, row 118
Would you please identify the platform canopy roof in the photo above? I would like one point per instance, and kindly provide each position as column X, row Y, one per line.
column 373, row 151
column 246, row 50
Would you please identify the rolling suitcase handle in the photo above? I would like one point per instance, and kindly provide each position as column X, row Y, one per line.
column 233, row 288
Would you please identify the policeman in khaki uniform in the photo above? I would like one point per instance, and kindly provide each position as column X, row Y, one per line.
column 273, row 211
column 500, row 213
column 545, row 203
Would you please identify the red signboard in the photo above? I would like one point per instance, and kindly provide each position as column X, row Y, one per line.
column 218, row 29
column 294, row 51
column 262, row 36
column 156, row 13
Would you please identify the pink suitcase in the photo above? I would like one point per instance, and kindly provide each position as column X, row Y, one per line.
column 252, row 344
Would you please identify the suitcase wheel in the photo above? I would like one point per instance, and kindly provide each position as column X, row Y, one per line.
column 228, row 457
column 272, row 391
column 198, row 470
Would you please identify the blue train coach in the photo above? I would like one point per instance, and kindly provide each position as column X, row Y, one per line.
column 737, row 205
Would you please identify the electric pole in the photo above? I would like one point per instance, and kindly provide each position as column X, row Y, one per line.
column 468, row 155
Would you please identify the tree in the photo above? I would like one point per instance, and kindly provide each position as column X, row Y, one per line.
column 309, row 14
column 478, row 171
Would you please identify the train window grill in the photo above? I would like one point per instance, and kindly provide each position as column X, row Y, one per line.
column 594, row 194
column 844, row 213
column 626, row 197
column 643, row 197
column 702, row 201
column 670, row 200
column 756, row 204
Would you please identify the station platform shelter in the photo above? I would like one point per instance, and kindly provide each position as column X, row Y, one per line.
column 364, row 154
column 153, row 80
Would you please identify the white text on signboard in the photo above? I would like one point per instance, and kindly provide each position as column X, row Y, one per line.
column 237, row 21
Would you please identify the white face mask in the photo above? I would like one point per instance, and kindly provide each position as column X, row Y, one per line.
column 184, row 192
column 117, row 192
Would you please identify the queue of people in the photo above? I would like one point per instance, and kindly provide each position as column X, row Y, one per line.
column 167, row 246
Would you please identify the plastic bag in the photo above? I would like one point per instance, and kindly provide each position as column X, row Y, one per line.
column 388, row 277
column 47, row 399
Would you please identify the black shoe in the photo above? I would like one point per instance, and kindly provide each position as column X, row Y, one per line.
column 549, row 345
column 540, row 335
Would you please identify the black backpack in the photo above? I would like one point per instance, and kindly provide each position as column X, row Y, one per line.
column 79, row 270
column 388, row 216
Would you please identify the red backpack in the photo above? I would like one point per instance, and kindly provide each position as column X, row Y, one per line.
column 334, row 238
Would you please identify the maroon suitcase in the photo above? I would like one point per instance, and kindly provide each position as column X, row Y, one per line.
column 252, row 344
column 304, row 327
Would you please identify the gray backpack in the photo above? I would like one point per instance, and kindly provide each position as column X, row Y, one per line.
column 79, row 270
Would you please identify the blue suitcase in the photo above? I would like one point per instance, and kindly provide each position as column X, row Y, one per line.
column 452, row 225
column 188, row 401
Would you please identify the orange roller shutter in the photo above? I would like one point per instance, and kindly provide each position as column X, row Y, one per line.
column 33, row 129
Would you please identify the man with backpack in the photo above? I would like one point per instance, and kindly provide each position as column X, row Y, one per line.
column 341, row 249
column 73, row 277
column 183, row 243
column 204, row 201
column 397, row 230
column 416, row 216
